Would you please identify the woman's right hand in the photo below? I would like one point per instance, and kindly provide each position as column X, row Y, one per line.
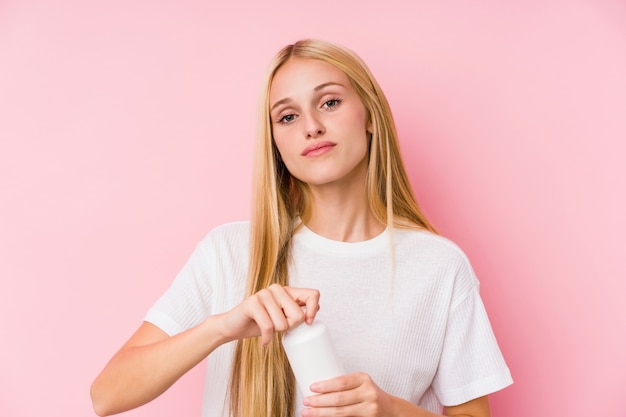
column 273, row 309
column 151, row 361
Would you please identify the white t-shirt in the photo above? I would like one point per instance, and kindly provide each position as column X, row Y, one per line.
column 419, row 329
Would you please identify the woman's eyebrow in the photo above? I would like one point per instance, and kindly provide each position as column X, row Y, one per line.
column 279, row 102
column 318, row 88
column 328, row 84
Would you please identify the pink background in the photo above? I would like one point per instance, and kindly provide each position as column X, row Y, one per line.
column 126, row 134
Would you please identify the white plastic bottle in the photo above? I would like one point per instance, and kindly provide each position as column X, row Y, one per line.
column 311, row 355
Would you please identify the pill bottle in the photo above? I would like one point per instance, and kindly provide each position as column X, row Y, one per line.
column 311, row 355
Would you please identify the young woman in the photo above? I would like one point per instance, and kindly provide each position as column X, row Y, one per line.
column 336, row 225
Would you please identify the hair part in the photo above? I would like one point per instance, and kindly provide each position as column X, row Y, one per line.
column 262, row 383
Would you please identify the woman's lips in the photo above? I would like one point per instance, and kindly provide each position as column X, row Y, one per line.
column 318, row 149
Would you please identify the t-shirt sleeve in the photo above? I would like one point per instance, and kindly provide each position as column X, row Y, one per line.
column 471, row 363
column 187, row 301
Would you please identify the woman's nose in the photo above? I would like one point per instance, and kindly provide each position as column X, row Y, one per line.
column 314, row 127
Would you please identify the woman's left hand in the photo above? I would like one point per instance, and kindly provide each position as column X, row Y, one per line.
column 349, row 395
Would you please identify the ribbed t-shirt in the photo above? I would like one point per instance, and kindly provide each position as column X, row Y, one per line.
column 417, row 327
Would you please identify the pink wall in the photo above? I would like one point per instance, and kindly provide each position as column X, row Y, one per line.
column 126, row 130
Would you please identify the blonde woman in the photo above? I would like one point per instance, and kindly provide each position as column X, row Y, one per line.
column 336, row 225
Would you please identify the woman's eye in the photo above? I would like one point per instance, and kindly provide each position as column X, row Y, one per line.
column 332, row 103
column 288, row 118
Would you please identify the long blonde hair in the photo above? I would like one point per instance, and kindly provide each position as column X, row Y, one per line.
column 262, row 383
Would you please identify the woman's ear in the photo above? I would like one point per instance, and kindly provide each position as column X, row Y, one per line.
column 369, row 128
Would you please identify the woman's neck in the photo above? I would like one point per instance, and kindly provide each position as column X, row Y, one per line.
column 343, row 215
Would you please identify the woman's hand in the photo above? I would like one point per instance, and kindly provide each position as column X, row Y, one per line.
column 356, row 395
column 151, row 361
column 348, row 395
column 273, row 309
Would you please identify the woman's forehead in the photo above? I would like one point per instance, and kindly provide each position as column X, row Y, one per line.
column 299, row 75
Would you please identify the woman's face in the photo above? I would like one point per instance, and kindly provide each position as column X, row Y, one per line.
column 319, row 123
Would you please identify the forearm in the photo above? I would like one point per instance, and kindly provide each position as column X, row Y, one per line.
column 149, row 364
column 478, row 407
column 403, row 408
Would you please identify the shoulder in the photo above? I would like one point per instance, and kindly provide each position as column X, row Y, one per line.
column 231, row 230
column 436, row 256
column 233, row 234
column 428, row 244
